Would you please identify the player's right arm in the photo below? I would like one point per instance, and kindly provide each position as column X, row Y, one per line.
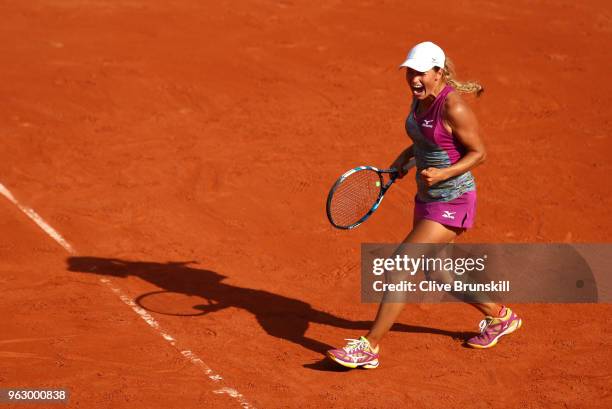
column 402, row 160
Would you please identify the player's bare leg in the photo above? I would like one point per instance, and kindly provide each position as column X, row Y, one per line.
column 424, row 231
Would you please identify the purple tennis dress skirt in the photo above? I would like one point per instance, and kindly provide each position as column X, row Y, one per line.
column 459, row 212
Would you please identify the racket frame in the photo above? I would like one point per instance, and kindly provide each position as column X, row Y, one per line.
column 381, row 194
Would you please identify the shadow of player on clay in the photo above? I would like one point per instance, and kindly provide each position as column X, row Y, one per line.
column 282, row 317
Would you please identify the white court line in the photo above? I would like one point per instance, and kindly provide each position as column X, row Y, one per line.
column 152, row 322
column 38, row 220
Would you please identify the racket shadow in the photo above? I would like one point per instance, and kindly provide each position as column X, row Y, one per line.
column 279, row 316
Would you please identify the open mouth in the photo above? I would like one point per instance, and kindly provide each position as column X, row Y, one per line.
column 417, row 89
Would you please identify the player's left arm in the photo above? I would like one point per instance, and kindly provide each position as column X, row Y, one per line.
column 464, row 126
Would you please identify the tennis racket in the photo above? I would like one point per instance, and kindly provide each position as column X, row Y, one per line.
column 358, row 193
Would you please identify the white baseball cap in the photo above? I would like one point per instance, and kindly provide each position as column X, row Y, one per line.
column 424, row 56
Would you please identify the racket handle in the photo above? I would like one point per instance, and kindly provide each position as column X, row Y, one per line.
column 411, row 164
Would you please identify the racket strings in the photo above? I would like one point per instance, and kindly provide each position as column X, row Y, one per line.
column 354, row 197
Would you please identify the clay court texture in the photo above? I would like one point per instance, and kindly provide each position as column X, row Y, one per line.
column 184, row 150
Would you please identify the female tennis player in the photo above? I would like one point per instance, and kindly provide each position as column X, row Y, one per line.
column 446, row 145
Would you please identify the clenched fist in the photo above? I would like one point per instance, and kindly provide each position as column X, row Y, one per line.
column 431, row 176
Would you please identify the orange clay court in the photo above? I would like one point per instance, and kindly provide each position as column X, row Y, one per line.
column 184, row 151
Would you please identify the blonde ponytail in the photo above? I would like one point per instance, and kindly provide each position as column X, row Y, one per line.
column 468, row 87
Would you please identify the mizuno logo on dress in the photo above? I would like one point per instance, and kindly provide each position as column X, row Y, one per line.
column 427, row 123
column 448, row 214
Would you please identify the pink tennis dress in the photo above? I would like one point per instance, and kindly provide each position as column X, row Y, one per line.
column 451, row 202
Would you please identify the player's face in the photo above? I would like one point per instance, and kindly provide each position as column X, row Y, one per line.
column 423, row 84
